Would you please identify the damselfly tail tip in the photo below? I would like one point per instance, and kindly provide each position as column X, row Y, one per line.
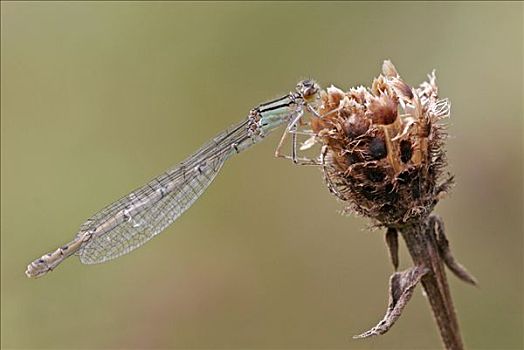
column 37, row 268
column 49, row 261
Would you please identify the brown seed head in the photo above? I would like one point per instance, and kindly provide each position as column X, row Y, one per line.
column 384, row 151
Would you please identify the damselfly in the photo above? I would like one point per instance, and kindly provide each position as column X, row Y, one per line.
column 136, row 218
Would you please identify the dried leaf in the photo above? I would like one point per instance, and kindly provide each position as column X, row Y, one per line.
column 392, row 243
column 437, row 224
column 401, row 287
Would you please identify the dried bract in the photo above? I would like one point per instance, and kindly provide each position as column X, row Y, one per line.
column 383, row 151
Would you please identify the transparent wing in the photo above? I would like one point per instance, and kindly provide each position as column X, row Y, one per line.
column 133, row 220
column 140, row 228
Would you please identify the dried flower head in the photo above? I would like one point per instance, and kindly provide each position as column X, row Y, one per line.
column 383, row 147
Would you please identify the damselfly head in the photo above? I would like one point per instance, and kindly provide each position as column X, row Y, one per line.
column 308, row 89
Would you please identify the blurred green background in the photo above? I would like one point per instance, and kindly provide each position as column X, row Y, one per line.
column 97, row 98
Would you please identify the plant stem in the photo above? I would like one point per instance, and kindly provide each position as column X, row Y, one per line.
column 421, row 241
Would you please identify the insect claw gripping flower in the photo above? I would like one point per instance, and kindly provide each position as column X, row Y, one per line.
column 384, row 147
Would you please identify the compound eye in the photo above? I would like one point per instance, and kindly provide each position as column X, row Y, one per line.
column 307, row 88
column 304, row 84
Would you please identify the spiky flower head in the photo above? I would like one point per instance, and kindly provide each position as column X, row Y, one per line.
column 383, row 147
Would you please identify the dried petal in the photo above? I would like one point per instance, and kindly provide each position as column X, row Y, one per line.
column 382, row 110
column 388, row 69
column 310, row 142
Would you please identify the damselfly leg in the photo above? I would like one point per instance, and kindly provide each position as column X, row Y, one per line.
column 293, row 130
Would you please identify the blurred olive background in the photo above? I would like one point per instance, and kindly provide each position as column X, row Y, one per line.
column 97, row 98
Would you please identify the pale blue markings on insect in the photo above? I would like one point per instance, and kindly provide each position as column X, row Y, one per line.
column 274, row 114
